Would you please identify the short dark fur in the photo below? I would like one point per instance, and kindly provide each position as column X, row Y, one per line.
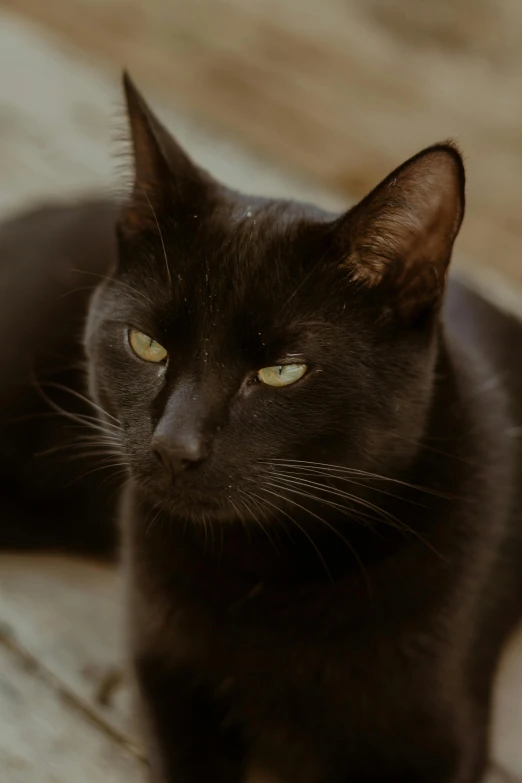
column 320, row 577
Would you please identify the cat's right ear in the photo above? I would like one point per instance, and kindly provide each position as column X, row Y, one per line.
column 399, row 238
column 167, row 184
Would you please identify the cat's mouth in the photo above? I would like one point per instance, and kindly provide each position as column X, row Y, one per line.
column 201, row 510
column 195, row 501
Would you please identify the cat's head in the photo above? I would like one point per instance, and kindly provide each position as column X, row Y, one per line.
column 239, row 336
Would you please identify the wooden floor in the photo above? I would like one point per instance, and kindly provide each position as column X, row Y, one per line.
column 64, row 710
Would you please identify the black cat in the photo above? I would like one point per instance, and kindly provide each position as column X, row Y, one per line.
column 322, row 522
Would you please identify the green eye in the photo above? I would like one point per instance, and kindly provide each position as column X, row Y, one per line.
column 282, row 374
column 145, row 347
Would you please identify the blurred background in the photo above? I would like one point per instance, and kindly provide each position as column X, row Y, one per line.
column 317, row 99
column 335, row 91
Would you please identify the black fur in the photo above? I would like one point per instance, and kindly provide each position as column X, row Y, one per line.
column 321, row 576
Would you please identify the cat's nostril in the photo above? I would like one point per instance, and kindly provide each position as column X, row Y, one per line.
column 161, row 457
column 180, row 453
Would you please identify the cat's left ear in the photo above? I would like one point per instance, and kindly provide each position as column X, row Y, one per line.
column 166, row 181
column 401, row 236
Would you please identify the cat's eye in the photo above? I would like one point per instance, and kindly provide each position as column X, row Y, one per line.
column 145, row 347
column 281, row 374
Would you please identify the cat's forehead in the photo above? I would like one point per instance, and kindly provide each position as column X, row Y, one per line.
column 252, row 263
column 278, row 213
column 255, row 241
column 254, row 257
column 273, row 216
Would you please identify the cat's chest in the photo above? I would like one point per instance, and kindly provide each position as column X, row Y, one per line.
column 283, row 691
column 299, row 676
column 275, row 661
column 251, row 638
column 258, row 775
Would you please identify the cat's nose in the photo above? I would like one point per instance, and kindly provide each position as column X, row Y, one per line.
column 179, row 452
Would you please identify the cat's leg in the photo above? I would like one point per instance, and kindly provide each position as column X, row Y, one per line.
column 447, row 764
column 186, row 733
column 428, row 749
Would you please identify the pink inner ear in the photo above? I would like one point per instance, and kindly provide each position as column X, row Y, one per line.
column 406, row 227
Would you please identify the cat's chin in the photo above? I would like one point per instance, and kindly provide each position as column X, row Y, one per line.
column 203, row 513
column 196, row 511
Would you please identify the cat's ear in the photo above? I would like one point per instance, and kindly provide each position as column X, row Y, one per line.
column 401, row 235
column 165, row 179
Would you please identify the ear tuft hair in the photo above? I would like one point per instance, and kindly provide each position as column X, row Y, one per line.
column 166, row 181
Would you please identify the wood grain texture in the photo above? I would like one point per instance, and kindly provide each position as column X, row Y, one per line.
column 44, row 738
column 66, row 614
column 341, row 90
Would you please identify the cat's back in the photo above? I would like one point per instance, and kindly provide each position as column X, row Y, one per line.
column 42, row 246
column 50, row 261
column 493, row 341
column 493, row 336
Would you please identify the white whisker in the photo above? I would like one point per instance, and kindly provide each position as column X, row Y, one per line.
column 338, row 493
column 320, row 519
column 95, row 470
column 305, row 533
column 385, row 517
column 160, row 236
column 261, row 526
column 113, row 281
column 330, row 475
column 83, row 398
column 355, row 472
